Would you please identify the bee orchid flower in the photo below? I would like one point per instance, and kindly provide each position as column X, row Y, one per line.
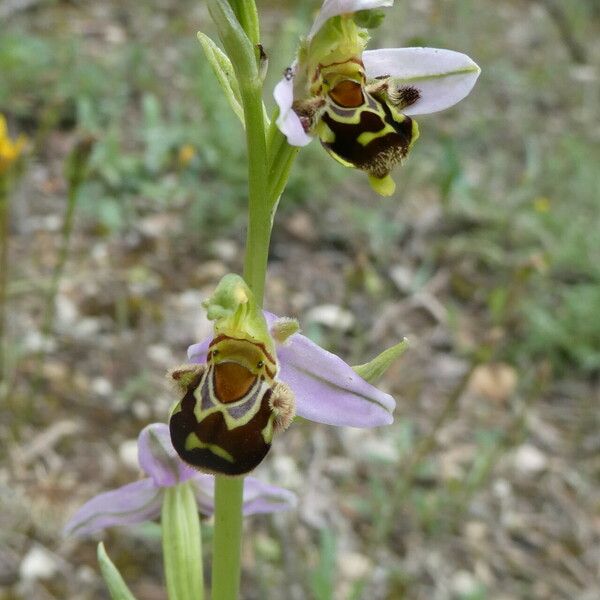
column 248, row 382
column 360, row 103
column 142, row 500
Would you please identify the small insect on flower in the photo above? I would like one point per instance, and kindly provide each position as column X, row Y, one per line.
column 233, row 404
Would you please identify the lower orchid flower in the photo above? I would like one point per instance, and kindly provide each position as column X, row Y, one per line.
column 360, row 103
column 247, row 383
column 142, row 500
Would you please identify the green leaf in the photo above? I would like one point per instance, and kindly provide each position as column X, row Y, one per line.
column 224, row 72
column 374, row 369
column 323, row 577
column 116, row 586
column 182, row 545
column 237, row 45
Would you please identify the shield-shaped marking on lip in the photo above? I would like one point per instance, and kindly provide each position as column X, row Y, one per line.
column 374, row 139
column 233, row 433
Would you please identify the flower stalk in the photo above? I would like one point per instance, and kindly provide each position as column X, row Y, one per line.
column 4, row 216
column 75, row 174
column 240, row 39
column 10, row 155
column 227, row 544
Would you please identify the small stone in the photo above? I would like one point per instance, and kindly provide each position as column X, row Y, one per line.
column 38, row 563
column 101, row 386
column 496, row 381
column 502, row 488
column 226, row 250
column 34, row 341
column 476, row 531
column 160, row 354
column 100, row 252
column 403, row 277
column 209, row 272
column 331, row 315
column 157, row 225
column 66, row 310
column 354, row 566
column 87, row 327
column 380, row 449
column 464, row 584
column 128, row 453
column 141, row 410
column 529, row 460
column 286, row 472
column 301, row 225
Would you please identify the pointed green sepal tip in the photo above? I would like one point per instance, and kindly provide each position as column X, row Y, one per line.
column 235, row 312
column 374, row 369
column 117, row 587
column 384, row 186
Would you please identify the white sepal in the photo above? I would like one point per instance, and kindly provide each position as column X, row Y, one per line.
column 288, row 121
column 442, row 77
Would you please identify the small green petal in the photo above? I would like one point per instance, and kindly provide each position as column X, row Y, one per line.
column 374, row 369
column 117, row 588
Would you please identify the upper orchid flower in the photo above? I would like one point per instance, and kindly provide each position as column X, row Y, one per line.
column 359, row 103
column 142, row 500
column 257, row 372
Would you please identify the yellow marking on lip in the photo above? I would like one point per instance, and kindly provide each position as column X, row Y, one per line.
column 267, row 431
column 366, row 137
column 193, row 442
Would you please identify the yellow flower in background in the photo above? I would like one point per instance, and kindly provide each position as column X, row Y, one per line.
column 9, row 151
column 541, row 204
column 187, row 153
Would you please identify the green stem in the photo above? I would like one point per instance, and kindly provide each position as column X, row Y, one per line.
column 281, row 158
column 259, row 217
column 4, row 217
column 269, row 162
column 227, row 543
column 67, row 230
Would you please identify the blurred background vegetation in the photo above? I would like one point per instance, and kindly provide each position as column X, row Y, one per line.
column 487, row 485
